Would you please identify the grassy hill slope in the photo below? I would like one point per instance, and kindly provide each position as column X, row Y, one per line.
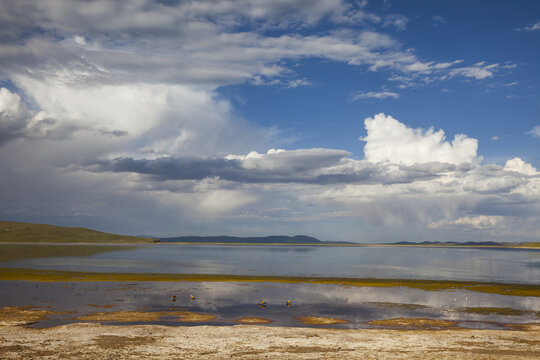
column 532, row 244
column 25, row 232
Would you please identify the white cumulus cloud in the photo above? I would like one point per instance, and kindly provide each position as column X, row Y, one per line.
column 389, row 140
column 482, row 222
column 520, row 166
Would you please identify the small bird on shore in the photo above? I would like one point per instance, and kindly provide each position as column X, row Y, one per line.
column 262, row 302
column 173, row 298
column 191, row 297
column 288, row 303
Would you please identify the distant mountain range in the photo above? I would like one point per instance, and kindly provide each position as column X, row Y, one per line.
column 298, row 239
column 303, row 239
column 11, row 231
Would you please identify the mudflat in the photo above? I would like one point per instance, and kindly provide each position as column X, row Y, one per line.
column 96, row 341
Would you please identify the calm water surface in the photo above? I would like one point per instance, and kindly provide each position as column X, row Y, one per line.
column 437, row 263
column 230, row 301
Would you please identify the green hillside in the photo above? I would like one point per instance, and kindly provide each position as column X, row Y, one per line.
column 26, row 232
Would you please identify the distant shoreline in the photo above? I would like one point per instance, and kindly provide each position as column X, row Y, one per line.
column 271, row 244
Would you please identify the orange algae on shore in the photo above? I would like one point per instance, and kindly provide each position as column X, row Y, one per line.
column 321, row 320
column 414, row 323
column 121, row 316
column 188, row 316
column 101, row 306
column 22, row 315
column 139, row 316
column 246, row 320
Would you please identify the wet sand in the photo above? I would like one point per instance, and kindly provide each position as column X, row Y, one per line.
column 95, row 341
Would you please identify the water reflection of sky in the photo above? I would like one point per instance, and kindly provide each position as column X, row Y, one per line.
column 230, row 301
column 505, row 265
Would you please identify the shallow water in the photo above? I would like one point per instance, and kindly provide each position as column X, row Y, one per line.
column 230, row 301
column 436, row 263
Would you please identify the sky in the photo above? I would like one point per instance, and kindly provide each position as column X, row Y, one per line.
column 364, row 121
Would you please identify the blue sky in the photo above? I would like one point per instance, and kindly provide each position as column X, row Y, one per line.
column 438, row 31
column 367, row 121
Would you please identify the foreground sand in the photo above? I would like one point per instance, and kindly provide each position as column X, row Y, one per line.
column 95, row 341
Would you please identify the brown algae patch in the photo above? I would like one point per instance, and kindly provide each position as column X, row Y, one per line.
column 321, row 320
column 121, row 316
column 101, row 306
column 139, row 316
column 22, row 315
column 398, row 305
column 496, row 311
column 188, row 316
column 145, row 308
column 414, row 323
column 117, row 342
column 523, row 327
column 252, row 320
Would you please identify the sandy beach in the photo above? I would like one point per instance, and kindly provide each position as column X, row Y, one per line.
column 95, row 341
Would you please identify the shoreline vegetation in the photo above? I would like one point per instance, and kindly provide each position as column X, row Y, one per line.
column 24, row 274
column 28, row 233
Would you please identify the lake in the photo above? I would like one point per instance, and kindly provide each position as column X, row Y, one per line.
column 229, row 301
column 384, row 262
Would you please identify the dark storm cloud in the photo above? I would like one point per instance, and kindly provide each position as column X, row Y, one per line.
column 13, row 116
column 312, row 166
